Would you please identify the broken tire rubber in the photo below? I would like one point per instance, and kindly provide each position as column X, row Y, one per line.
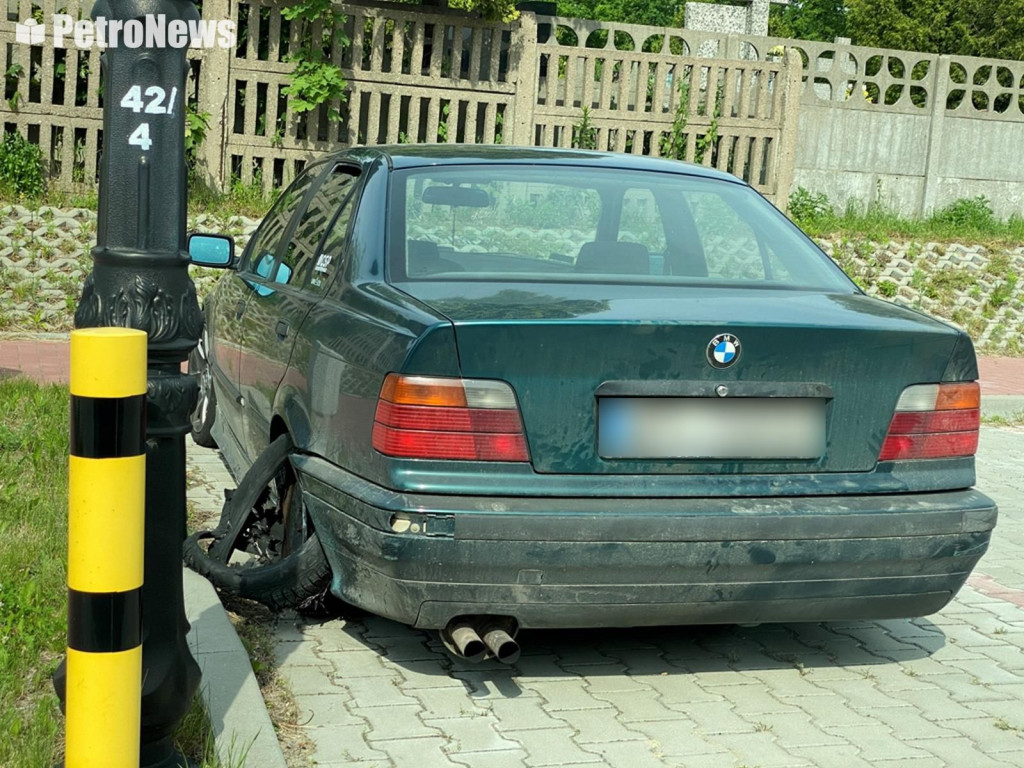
column 288, row 566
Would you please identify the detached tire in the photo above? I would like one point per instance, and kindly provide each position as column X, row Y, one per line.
column 268, row 528
column 206, row 405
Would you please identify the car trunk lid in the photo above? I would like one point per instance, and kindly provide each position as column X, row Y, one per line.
column 564, row 351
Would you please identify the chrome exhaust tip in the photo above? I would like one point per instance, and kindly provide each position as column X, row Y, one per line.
column 502, row 645
column 466, row 642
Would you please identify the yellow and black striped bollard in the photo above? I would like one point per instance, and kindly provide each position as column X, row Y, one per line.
column 106, row 505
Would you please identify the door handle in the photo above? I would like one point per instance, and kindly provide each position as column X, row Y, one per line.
column 282, row 330
column 239, row 309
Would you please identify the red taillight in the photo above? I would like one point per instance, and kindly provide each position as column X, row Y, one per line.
column 426, row 417
column 934, row 421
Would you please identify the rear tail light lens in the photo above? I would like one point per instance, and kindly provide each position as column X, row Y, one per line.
column 430, row 417
column 934, row 421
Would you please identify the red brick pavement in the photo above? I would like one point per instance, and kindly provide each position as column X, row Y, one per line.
column 47, row 361
column 43, row 361
column 1001, row 375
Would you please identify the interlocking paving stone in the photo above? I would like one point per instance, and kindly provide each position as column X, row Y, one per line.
column 678, row 688
column 629, row 754
column 340, row 743
column 511, row 758
column 299, row 654
column 986, row 730
column 472, row 734
column 962, row 751
column 353, row 665
column 522, row 714
column 567, row 694
column 833, row 757
column 325, row 710
column 551, row 746
column 394, row 722
column 375, row 692
column 429, row 675
column 795, row 729
column 597, row 725
column 447, row 703
column 831, row 710
column 752, row 700
column 679, row 738
column 877, row 742
column 761, row 750
column 419, row 752
column 642, row 706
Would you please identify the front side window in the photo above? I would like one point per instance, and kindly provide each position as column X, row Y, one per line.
column 576, row 224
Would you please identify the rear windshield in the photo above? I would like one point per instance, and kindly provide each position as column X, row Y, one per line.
column 510, row 223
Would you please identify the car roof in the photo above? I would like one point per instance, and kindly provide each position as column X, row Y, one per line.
column 400, row 156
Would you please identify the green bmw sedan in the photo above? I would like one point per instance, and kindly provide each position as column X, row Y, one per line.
column 479, row 389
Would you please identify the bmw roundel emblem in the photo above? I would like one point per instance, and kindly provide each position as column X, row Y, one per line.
column 723, row 350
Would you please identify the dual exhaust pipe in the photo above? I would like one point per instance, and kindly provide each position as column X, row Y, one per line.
column 474, row 638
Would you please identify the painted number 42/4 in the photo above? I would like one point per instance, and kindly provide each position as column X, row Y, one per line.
column 152, row 101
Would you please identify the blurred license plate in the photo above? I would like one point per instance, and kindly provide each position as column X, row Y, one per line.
column 711, row 428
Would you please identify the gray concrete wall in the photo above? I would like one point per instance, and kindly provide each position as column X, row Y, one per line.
column 960, row 137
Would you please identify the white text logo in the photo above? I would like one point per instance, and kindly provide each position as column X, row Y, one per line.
column 151, row 31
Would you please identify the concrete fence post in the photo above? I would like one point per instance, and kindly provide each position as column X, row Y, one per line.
column 938, row 93
column 785, row 158
column 106, row 509
column 214, row 89
column 524, row 68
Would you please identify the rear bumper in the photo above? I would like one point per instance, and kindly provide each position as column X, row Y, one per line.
column 603, row 562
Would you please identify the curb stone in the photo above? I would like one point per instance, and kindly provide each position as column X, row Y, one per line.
column 242, row 729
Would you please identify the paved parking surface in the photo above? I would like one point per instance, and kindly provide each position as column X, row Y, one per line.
column 946, row 690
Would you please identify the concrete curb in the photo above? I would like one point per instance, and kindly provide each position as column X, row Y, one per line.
column 242, row 728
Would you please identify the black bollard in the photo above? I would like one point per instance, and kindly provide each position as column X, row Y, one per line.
column 140, row 280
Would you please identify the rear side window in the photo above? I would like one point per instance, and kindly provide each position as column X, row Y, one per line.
column 264, row 247
column 301, row 256
column 333, row 252
column 548, row 223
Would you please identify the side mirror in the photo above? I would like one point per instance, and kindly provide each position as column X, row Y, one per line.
column 211, row 250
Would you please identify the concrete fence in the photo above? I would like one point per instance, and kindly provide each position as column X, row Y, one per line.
column 914, row 131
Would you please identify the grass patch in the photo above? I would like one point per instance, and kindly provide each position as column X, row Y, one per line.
column 239, row 200
column 998, row 420
column 194, row 739
column 33, row 579
column 33, row 558
column 964, row 220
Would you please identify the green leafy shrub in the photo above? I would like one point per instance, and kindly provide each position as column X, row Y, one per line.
column 584, row 132
column 21, row 167
column 887, row 288
column 315, row 80
column 966, row 213
column 807, row 208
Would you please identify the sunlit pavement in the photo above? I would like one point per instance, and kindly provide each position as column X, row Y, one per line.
column 946, row 690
